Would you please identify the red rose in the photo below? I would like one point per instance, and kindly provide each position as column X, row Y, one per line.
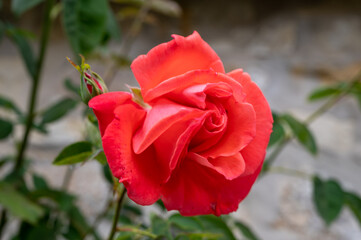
column 198, row 142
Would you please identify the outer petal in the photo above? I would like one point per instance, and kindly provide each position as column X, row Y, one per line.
column 255, row 151
column 174, row 58
column 141, row 173
column 195, row 189
column 103, row 106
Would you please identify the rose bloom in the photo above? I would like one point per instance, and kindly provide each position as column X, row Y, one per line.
column 199, row 139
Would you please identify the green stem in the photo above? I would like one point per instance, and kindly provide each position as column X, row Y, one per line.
column 35, row 86
column 3, row 219
column 311, row 118
column 288, row 171
column 117, row 212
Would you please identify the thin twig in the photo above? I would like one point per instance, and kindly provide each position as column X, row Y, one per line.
column 288, row 171
column 117, row 212
column 67, row 177
column 311, row 118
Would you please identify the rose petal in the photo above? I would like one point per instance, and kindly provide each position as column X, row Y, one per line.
column 141, row 174
column 174, row 58
column 162, row 116
column 103, row 106
column 230, row 167
column 255, row 151
column 240, row 131
column 194, row 189
column 172, row 145
column 176, row 85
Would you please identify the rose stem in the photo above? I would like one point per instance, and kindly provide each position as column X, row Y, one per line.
column 311, row 118
column 35, row 86
column 34, row 90
column 117, row 212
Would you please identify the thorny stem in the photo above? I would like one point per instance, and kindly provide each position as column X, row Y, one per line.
column 311, row 118
column 128, row 40
column 117, row 212
column 35, row 86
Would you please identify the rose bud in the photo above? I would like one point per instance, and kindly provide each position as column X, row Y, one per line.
column 91, row 84
column 193, row 136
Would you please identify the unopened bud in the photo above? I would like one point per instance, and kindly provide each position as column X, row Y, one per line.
column 91, row 83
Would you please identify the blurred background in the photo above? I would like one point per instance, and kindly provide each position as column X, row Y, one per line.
column 288, row 47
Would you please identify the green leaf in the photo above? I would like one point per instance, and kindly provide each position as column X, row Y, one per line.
column 93, row 134
column 6, row 128
column 24, row 47
column 160, row 204
column 215, row 224
column 18, row 204
column 302, row 133
column 20, row 6
column 41, row 232
column 246, row 231
column 328, row 198
column 9, row 105
column 58, row 110
column 160, row 227
column 278, row 133
column 64, row 200
column 74, row 153
column 353, row 201
column 74, row 88
column 198, row 236
column 125, row 236
column 323, row 93
column 134, row 231
column 185, row 223
column 85, row 23
column 39, row 182
column 101, row 158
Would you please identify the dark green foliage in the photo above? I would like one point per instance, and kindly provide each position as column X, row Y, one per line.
column 246, row 231
column 85, row 23
column 302, row 133
column 57, row 110
column 6, row 127
column 278, row 132
column 328, row 198
column 21, row 41
column 18, row 204
column 74, row 153
column 353, row 201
